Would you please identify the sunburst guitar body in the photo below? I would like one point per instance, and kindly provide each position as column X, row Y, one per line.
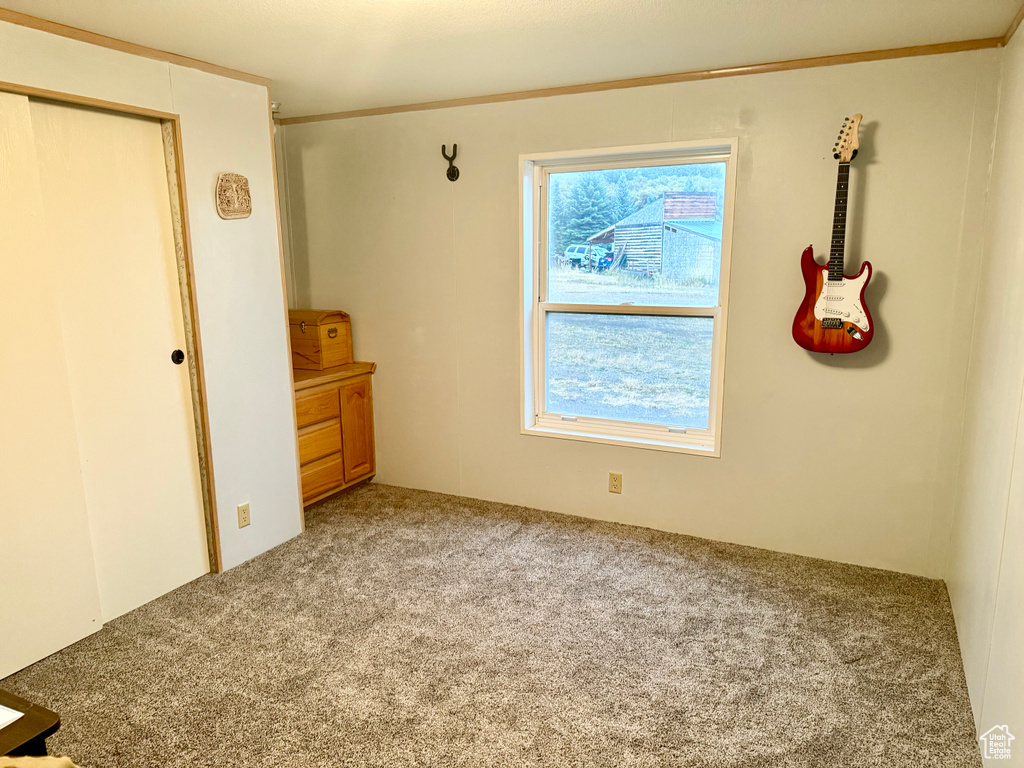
column 833, row 316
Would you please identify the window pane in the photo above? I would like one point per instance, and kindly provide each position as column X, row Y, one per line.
column 641, row 368
column 649, row 236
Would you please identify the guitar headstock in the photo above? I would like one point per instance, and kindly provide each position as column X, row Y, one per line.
column 846, row 146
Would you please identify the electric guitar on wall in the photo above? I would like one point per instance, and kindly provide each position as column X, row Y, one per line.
column 833, row 316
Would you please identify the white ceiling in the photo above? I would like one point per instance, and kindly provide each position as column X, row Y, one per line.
column 337, row 55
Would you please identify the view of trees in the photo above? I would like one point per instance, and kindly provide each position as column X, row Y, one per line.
column 583, row 203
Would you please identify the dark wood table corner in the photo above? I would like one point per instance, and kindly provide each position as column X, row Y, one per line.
column 27, row 735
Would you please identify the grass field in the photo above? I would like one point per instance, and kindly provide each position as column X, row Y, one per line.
column 577, row 286
column 649, row 369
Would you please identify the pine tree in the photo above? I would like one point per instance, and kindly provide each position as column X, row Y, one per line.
column 625, row 202
column 588, row 210
column 556, row 220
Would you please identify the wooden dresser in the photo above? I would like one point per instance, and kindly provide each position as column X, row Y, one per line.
column 335, row 418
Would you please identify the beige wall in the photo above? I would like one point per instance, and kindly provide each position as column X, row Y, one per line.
column 986, row 564
column 851, row 459
column 225, row 127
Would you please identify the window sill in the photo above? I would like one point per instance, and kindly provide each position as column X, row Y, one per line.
column 690, row 446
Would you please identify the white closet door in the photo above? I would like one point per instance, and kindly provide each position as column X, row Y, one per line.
column 104, row 181
column 48, row 595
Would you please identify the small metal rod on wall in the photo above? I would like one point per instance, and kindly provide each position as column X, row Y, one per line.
column 453, row 172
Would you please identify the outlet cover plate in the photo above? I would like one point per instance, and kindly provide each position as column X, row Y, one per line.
column 243, row 515
column 614, row 482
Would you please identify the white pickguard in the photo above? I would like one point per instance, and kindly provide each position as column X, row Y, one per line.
column 841, row 299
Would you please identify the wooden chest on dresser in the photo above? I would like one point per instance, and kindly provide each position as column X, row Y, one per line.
column 334, row 408
column 320, row 338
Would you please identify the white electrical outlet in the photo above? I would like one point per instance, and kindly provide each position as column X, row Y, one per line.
column 243, row 515
column 614, row 482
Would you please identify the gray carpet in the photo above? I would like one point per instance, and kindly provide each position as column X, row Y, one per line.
column 407, row 628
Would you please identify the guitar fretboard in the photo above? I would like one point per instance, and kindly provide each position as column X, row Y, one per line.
column 835, row 260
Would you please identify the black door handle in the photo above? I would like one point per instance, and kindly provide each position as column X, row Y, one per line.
column 177, row 357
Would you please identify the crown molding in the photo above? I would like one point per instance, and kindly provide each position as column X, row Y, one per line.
column 679, row 77
column 84, row 36
column 1014, row 25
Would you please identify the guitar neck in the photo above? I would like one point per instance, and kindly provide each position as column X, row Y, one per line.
column 835, row 260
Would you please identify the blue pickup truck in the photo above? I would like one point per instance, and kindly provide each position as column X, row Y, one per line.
column 592, row 257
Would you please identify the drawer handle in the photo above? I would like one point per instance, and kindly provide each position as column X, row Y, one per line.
column 332, row 332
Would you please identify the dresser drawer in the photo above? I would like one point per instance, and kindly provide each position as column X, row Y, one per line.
column 317, row 407
column 319, row 441
column 322, row 475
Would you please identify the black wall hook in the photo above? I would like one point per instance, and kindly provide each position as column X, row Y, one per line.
column 453, row 172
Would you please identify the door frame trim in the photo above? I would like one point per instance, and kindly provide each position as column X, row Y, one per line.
column 284, row 296
column 203, row 420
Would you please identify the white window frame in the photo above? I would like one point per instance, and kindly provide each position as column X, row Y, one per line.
column 533, row 181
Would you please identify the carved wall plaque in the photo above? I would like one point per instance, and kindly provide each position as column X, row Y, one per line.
column 233, row 201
